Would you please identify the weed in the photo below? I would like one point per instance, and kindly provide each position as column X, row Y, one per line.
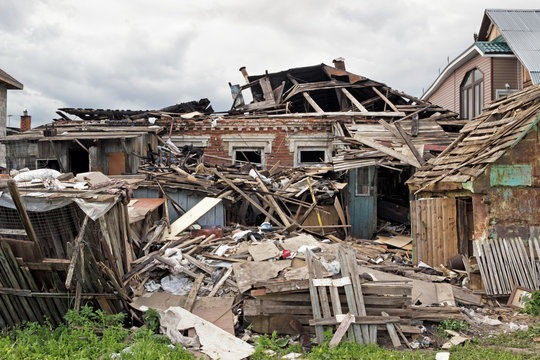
column 87, row 334
column 451, row 324
column 532, row 307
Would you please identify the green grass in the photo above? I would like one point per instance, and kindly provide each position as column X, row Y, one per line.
column 86, row 335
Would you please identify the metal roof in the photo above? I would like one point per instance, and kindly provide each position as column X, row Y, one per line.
column 521, row 30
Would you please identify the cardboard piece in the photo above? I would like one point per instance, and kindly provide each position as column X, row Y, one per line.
column 248, row 273
column 266, row 250
column 215, row 310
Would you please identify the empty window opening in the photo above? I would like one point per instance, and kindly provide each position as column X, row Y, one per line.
column 79, row 161
column 312, row 156
column 253, row 156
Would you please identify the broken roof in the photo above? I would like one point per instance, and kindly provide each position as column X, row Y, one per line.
column 81, row 131
column 202, row 106
column 484, row 140
column 10, row 81
column 325, row 90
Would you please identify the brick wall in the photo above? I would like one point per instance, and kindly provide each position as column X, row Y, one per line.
column 272, row 134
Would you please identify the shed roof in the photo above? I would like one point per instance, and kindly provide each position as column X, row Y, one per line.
column 521, row 30
column 484, row 140
column 10, row 81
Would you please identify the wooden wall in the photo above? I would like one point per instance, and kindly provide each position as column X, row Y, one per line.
column 434, row 230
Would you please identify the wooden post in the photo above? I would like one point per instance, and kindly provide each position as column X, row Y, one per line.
column 17, row 200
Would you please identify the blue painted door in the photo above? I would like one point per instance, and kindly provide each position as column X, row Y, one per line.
column 363, row 201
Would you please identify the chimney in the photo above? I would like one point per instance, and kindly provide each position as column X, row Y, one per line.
column 339, row 63
column 244, row 72
column 26, row 121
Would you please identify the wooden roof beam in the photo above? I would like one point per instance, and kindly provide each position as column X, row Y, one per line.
column 308, row 97
column 381, row 95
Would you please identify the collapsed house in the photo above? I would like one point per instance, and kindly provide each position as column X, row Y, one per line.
column 485, row 185
column 251, row 212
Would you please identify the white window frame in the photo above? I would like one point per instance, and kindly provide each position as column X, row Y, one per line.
column 263, row 157
column 312, row 141
column 503, row 92
column 299, row 149
column 199, row 141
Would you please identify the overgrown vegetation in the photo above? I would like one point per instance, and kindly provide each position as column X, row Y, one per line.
column 532, row 307
column 87, row 334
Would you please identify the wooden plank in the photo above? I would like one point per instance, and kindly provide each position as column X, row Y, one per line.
column 220, row 282
column 387, row 150
column 308, row 97
column 409, row 143
column 190, row 300
column 17, row 200
column 392, row 106
column 353, row 100
column 483, row 271
column 392, row 332
column 284, row 218
column 357, row 288
column 533, row 264
column 323, row 295
column 75, row 252
column 528, row 269
column 349, row 293
column 193, row 214
column 314, row 299
column 245, row 196
column 340, row 331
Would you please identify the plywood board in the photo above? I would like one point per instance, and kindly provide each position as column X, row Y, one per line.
column 117, row 163
column 193, row 214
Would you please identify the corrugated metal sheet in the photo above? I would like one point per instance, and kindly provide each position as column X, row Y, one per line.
column 186, row 200
column 521, row 30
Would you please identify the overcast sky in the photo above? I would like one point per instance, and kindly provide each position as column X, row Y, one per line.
column 135, row 54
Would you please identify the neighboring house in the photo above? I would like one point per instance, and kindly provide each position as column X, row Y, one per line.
column 485, row 185
column 7, row 82
column 505, row 57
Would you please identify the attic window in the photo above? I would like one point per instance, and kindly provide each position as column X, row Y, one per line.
column 248, row 155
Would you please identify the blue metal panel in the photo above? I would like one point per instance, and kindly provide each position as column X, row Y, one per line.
column 363, row 208
column 187, row 200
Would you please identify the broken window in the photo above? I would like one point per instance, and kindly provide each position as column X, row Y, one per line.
column 310, row 156
column 364, row 181
column 249, row 155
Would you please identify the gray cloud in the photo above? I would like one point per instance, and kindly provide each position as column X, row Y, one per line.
column 139, row 54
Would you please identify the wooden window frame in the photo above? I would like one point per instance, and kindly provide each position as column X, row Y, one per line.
column 472, row 95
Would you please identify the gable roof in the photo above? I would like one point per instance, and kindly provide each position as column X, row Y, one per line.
column 10, row 81
column 521, row 30
column 484, row 140
column 481, row 48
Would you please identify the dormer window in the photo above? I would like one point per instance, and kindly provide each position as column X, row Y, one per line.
column 472, row 94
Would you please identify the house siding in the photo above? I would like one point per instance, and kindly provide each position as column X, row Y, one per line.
column 505, row 71
column 448, row 94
